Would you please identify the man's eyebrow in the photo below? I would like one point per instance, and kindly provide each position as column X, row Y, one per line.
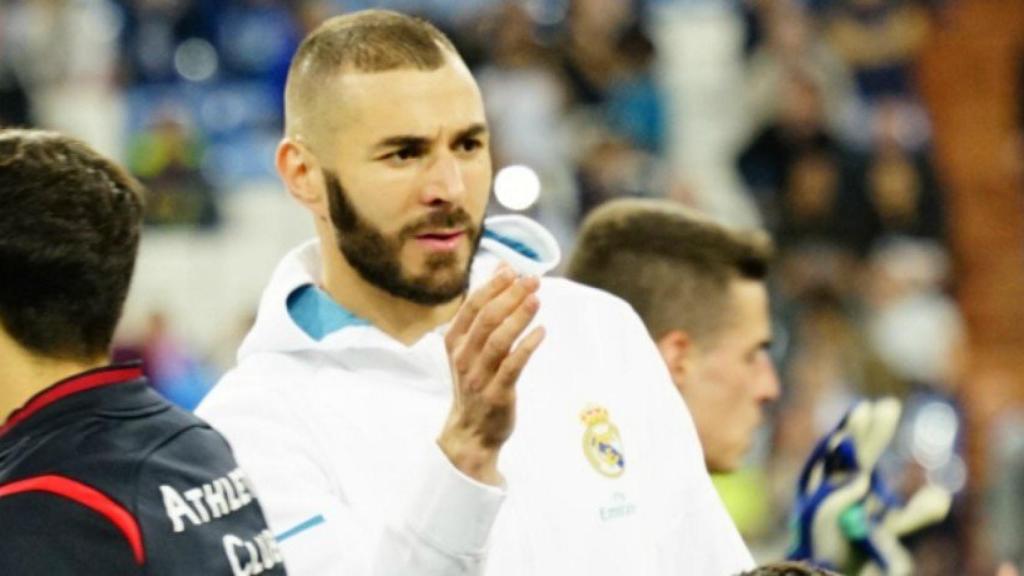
column 413, row 141
column 402, row 141
column 473, row 131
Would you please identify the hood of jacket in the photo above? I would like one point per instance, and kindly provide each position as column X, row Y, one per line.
column 522, row 243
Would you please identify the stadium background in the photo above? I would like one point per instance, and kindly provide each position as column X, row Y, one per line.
column 880, row 141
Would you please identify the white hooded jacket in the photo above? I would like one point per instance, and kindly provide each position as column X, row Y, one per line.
column 336, row 424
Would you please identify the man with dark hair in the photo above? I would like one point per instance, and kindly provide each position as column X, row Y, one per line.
column 700, row 289
column 394, row 402
column 98, row 474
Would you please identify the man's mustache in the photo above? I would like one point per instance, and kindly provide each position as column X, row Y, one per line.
column 456, row 218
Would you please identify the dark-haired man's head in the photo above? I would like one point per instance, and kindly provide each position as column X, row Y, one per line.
column 69, row 232
column 700, row 289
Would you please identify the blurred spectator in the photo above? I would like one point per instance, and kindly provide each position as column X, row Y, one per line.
column 589, row 47
column 617, row 108
column 915, row 327
column 607, row 61
column 797, row 126
column 56, row 43
column 526, row 103
column 166, row 158
column 635, row 106
column 524, row 95
column 897, row 197
column 62, row 55
column 790, row 46
column 879, row 40
column 894, row 123
column 811, row 210
column 613, row 168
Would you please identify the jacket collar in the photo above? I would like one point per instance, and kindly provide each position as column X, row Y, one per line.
column 70, row 388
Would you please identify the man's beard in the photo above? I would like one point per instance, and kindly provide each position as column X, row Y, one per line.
column 377, row 256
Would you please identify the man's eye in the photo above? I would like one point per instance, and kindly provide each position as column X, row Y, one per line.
column 405, row 154
column 758, row 354
column 470, row 144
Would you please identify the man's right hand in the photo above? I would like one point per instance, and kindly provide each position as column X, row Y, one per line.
column 485, row 368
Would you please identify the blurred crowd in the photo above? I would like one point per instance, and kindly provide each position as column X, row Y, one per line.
column 830, row 147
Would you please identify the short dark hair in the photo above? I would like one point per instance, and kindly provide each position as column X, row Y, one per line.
column 670, row 263
column 69, row 233
column 363, row 41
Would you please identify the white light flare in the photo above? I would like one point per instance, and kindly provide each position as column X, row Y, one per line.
column 517, row 187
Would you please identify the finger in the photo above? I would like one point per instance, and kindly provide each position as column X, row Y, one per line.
column 467, row 313
column 927, row 506
column 876, row 430
column 898, row 561
column 476, row 362
column 495, row 312
column 829, row 538
column 513, row 364
column 498, row 344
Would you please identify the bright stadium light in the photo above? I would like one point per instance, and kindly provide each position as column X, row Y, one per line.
column 517, row 187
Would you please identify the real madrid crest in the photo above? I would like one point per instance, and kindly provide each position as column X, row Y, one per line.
column 601, row 442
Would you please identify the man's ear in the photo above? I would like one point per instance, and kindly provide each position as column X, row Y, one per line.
column 676, row 349
column 300, row 171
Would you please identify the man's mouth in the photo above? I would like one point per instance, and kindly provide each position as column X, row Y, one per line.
column 443, row 240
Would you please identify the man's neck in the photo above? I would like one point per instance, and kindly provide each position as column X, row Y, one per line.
column 401, row 319
column 24, row 374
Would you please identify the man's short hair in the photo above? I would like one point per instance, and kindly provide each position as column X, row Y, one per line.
column 69, row 232
column 671, row 264
column 364, row 41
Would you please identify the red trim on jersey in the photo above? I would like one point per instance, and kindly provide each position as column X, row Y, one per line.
column 86, row 496
column 73, row 385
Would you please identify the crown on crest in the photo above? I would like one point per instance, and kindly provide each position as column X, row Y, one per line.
column 593, row 414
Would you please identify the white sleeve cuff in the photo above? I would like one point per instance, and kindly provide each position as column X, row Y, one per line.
column 452, row 511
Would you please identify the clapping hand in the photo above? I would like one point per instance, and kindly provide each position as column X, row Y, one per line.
column 486, row 363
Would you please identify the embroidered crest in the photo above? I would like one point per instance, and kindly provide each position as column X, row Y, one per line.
column 601, row 442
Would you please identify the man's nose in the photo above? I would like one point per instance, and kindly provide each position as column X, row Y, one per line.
column 445, row 182
column 769, row 386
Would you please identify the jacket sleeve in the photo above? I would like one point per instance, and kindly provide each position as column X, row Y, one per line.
column 46, row 533
column 321, row 529
column 447, row 525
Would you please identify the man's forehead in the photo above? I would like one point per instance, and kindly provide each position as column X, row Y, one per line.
column 406, row 101
column 745, row 310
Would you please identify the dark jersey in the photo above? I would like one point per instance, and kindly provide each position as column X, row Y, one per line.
column 100, row 475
